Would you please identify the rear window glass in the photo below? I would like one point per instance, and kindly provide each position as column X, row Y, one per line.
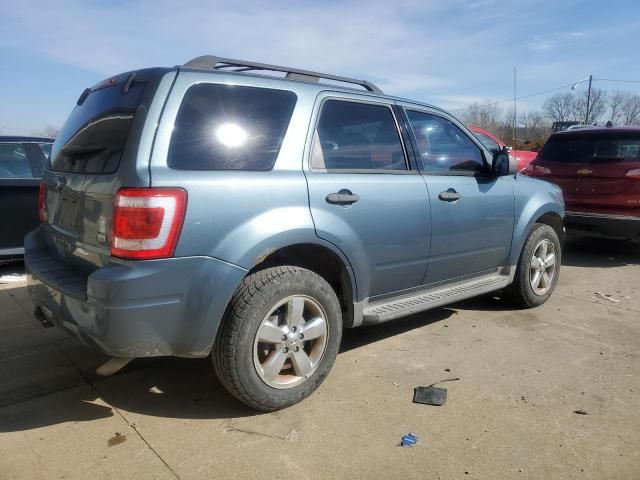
column 94, row 136
column 590, row 149
column 14, row 162
column 227, row 127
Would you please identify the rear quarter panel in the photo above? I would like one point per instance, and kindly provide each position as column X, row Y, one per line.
column 239, row 216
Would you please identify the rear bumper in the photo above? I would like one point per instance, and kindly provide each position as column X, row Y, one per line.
column 134, row 309
column 598, row 224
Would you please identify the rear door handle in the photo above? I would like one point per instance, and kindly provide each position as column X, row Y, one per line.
column 343, row 197
column 450, row 195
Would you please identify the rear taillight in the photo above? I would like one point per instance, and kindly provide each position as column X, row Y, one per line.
column 147, row 222
column 537, row 170
column 635, row 173
column 42, row 211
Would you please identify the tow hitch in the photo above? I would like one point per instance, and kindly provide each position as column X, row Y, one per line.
column 43, row 315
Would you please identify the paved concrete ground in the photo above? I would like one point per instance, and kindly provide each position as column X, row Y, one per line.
column 511, row 414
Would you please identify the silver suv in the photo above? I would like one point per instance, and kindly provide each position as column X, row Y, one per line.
column 250, row 212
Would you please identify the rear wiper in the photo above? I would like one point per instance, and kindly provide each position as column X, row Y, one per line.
column 80, row 150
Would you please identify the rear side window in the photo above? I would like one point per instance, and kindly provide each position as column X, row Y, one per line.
column 591, row 148
column 357, row 136
column 94, row 136
column 228, row 127
column 14, row 162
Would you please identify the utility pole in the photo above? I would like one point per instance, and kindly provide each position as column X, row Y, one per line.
column 586, row 119
column 515, row 115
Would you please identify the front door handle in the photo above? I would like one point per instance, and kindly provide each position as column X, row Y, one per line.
column 344, row 197
column 450, row 195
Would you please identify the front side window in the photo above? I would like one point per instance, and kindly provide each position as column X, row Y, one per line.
column 356, row 136
column 443, row 146
column 14, row 162
column 488, row 142
column 230, row 127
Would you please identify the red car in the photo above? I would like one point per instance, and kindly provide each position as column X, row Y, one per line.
column 493, row 143
column 598, row 169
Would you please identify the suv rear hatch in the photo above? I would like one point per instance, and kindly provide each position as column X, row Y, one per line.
column 598, row 171
column 94, row 155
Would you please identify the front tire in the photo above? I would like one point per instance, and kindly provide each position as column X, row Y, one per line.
column 538, row 268
column 279, row 339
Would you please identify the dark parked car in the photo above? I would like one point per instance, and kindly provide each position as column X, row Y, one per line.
column 21, row 161
column 204, row 210
column 598, row 169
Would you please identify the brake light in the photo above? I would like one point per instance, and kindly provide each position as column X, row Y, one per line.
column 42, row 211
column 635, row 174
column 538, row 170
column 147, row 222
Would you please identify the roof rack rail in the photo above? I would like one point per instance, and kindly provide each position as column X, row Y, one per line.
column 211, row 62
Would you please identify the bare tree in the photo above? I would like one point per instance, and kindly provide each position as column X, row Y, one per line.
column 50, row 131
column 630, row 109
column 560, row 107
column 484, row 116
column 597, row 106
column 505, row 129
column 615, row 106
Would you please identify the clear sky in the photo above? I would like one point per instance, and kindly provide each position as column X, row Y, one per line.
column 446, row 52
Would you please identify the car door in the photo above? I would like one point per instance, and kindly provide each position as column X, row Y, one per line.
column 18, row 196
column 363, row 195
column 472, row 211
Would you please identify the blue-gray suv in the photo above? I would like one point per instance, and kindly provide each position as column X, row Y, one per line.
column 251, row 212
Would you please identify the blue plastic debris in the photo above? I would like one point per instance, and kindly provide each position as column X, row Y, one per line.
column 408, row 440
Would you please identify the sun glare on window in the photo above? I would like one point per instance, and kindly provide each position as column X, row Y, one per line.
column 231, row 135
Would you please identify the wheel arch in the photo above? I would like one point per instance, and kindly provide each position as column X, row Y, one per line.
column 554, row 220
column 548, row 213
column 327, row 261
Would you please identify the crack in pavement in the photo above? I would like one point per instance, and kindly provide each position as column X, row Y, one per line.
column 13, row 297
column 105, row 398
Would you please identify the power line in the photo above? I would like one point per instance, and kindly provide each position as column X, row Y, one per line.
column 615, row 80
column 519, row 98
column 543, row 92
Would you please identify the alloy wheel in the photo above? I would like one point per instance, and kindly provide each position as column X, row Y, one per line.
column 542, row 267
column 290, row 342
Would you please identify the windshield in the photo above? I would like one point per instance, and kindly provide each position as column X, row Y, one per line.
column 94, row 136
column 592, row 148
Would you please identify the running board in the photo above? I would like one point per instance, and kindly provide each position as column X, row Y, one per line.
column 407, row 304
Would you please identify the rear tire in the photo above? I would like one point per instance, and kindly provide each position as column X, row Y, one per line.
column 262, row 355
column 538, row 268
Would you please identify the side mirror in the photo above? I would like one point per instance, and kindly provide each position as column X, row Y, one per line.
column 504, row 164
